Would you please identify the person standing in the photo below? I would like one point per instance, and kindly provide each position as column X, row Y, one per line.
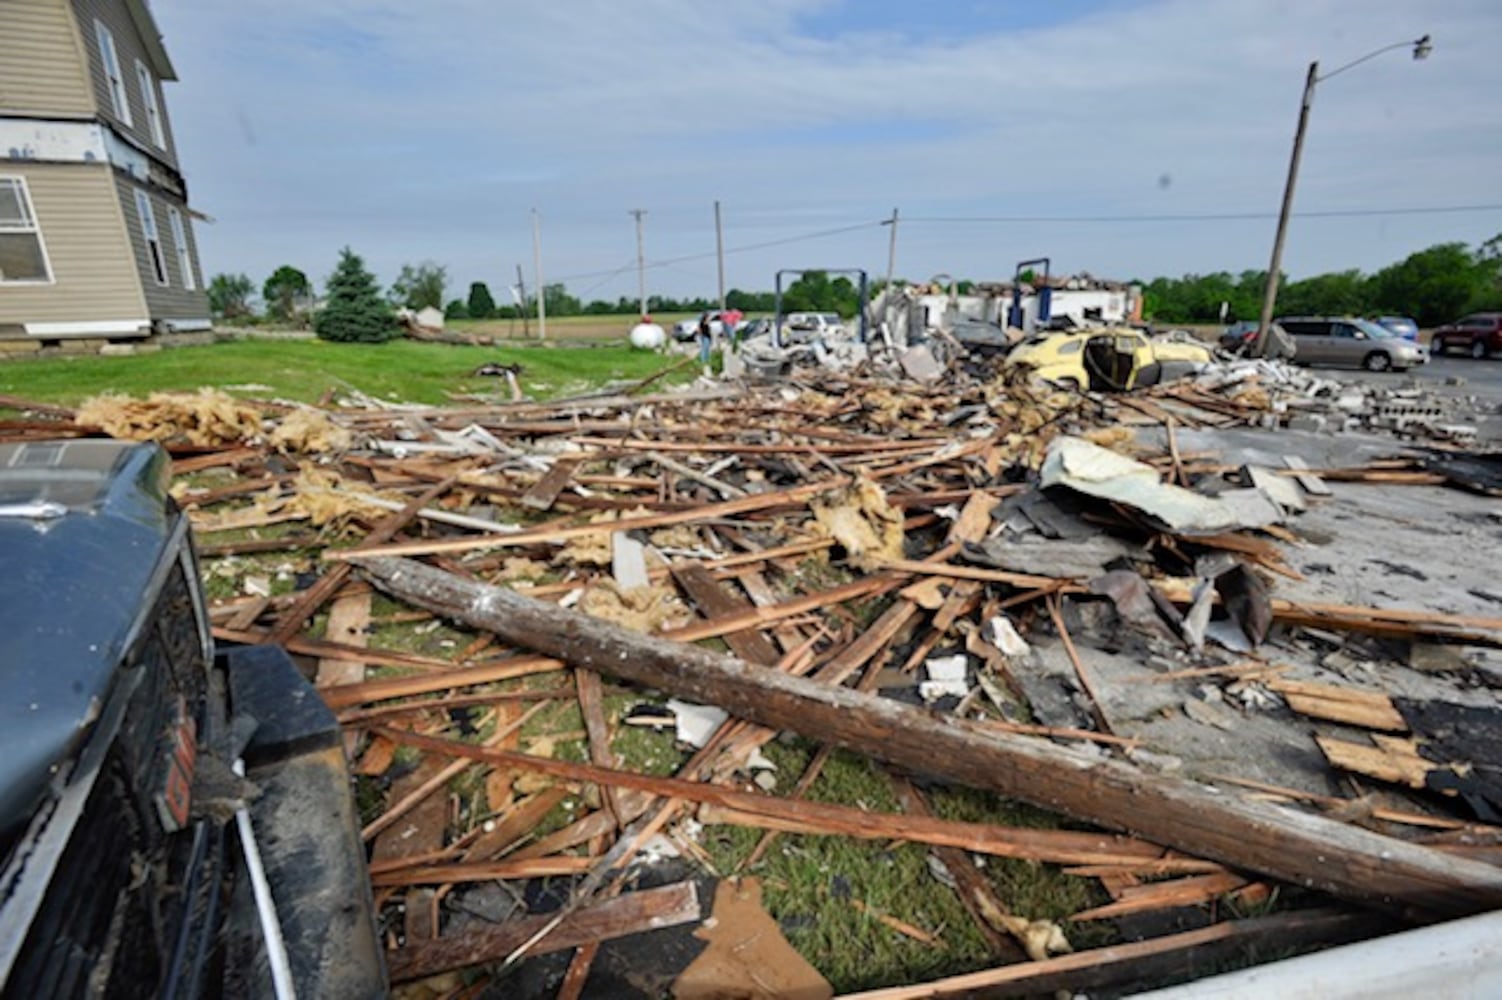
column 706, row 341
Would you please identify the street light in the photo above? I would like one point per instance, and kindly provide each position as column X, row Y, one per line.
column 1421, row 49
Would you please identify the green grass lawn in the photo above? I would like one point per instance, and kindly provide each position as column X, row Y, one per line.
column 402, row 370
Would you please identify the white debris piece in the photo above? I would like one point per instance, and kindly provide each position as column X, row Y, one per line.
column 946, row 676
column 1001, row 633
column 696, row 723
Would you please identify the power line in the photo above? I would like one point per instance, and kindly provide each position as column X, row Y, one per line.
column 687, row 258
column 1339, row 213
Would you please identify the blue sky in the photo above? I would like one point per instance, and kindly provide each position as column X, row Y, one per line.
column 429, row 131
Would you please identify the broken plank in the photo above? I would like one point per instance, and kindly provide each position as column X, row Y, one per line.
column 349, row 622
column 1160, row 959
column 1310, row 851
column 481, row 871
column 1334, row 703
column 632, row 913
column 555, row 535
column 803, row 816
column 308, row 603
column 1394, row 761
column 976, row 892
column 544, row 493
column 716, row 600
column 1307, row 480
column 345, row 695
column 1191, row 891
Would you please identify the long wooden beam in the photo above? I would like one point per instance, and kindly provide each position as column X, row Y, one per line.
column 1283, row 843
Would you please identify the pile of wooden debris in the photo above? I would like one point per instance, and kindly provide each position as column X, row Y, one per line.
column 1045, row 596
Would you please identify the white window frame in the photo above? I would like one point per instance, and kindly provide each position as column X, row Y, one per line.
column 153, row 109
column 114, row 78
column 154, row 252
column 28, row 224
column 180, row 244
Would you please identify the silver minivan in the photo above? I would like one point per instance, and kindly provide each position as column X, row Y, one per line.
column 1349, row 342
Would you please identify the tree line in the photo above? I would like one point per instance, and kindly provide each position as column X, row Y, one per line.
column 1432, row 286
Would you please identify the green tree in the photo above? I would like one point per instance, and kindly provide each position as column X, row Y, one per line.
column 1437, row 285
column 481, row 305
column 285, row 291
column 355, row 311
column 456, row 309
column 559, row 302
column 421, row 285
column 1340, row 293
column 229, row 295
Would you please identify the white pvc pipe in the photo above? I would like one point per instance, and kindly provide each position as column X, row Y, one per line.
column 271, row 926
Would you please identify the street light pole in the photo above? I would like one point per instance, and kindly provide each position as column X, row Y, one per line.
column 1270, row 291
column 1421, row 49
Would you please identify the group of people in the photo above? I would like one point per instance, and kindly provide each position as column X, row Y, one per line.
column 728, row 320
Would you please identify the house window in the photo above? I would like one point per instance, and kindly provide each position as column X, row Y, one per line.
column 23, row 257
column 180, row 243
column 112, row 74
column 153, row 238
column 153, row 110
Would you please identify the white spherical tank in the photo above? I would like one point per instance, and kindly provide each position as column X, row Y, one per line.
column 647, row 336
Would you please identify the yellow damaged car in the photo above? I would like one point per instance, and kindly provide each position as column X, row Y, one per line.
column 1109, row 360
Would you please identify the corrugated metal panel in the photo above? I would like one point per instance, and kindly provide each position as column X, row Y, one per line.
column 129, row 47
column 42, row 72
column 78, row 210
column 170, row 301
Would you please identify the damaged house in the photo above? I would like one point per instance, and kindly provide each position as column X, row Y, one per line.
column 96, row 236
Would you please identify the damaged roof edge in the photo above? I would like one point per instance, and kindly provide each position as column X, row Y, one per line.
column 151, row 38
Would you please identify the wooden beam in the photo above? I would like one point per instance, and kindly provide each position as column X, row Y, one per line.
column 631, row 913
column 1292, row 846
column 1127, row 963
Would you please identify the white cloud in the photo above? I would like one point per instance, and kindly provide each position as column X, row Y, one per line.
column 428, row 130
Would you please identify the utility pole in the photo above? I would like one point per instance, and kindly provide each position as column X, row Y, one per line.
column 542, row 289
column 886, row 292
column 521, row 307
column 641, row 262
column 1270, row 292
column 719, row 249
column 892, row 249
column 1421, row 46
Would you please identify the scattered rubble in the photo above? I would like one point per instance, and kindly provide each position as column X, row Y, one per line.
column 1159, row 614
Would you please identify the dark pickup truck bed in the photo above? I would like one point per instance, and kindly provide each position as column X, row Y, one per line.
column 125, row 865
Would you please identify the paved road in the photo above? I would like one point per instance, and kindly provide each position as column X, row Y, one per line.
column 1482, row 379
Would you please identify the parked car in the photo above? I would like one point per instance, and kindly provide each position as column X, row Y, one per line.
column 127, row 838
column 1359, row 343
column 687, row 329
column 1111, row 360
column 807, row 325
column 1404, row 327
column 1479, row 335
column 1239, row 336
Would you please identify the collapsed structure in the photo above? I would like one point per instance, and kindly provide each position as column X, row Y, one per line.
column 1145, row 614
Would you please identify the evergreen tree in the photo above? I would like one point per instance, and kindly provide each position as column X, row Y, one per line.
column 481, row 305
column 456, row 309
column 355, row 312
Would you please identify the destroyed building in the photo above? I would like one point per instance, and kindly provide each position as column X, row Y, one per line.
column 1115, row 689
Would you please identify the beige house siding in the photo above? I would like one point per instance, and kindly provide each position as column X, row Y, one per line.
column 42, row 69
column 129, row 48
column 78, row 210
column 171, row 301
